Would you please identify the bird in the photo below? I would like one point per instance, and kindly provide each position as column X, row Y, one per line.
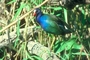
column 51, row 23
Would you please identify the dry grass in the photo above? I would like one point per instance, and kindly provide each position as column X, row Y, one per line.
column 70, row 47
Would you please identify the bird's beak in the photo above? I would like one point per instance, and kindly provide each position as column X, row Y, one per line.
column 34, row 13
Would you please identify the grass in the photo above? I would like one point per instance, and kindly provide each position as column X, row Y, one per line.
column 73, row 46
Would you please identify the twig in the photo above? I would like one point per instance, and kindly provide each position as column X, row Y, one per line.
column 86, row 54
column 4, row 38
column 40, row 50
column 32, row 47
column 21, row 18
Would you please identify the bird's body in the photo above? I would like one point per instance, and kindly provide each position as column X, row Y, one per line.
column 51, row 23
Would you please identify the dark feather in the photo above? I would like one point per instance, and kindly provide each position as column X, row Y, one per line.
column 51, row 23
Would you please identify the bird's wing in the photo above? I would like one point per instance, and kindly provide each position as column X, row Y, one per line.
column 60, row 22
column 57, row 20
column 53, row 22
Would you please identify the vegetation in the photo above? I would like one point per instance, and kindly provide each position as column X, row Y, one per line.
column 74, row 46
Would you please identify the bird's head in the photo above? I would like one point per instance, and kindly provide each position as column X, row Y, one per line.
column 36, row 11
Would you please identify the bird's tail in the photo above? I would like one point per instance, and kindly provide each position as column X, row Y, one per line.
column 67, row 31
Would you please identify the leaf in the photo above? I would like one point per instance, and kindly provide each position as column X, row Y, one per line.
column 37, row 57
column 65, row 15
column 66, row 45
column 82, row 15
column 18, row 33
column 11, row 2
column 0, row 29
column 80, row 53
column 57, row 8
column 18, row 11
column 18, row 27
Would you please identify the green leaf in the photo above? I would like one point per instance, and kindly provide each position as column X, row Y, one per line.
column 34, row 2
column 19, row 11
column 80, row 53
column 83, row 16
column 18, row 33
column 24, row 58
column 66, row 45
column 37, row 57
column 76, row 46
column 18, row 23
column 57, row 8
column 65, row 15
column 0, row 29
column 11, row 2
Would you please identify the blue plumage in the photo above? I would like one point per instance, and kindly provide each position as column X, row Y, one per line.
column 51, row 23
